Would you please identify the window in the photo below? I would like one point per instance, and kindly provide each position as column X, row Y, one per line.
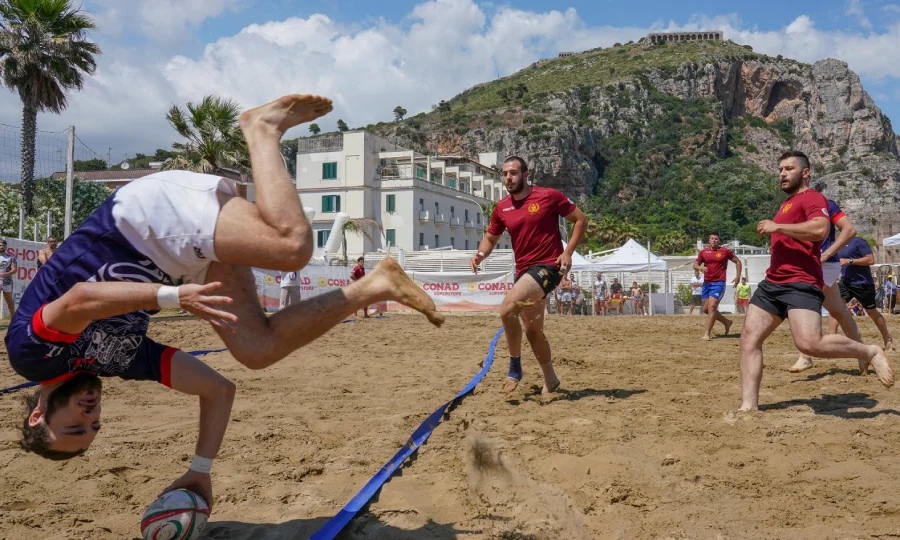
column 391, row 203
column 478, row 219
column 432, row 177
column 391, row 236
column 421, row 205
column 322, row 238
column 437, row 208
column 421, row 239
column 467, row 244
column 452, row 183
column 452, row 242
column 329, row 171
column 331, row 203
column 420, row 173
column 467, row 215
column 452, row 212
column 437, row 241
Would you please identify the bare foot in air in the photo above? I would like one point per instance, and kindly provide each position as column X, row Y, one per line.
column 802, row 364
column 391, row 278
column 284, row 113
column 509, row 385
column 882, row 368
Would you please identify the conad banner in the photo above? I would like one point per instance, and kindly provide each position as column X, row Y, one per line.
column 450, row 291
column 26, row 254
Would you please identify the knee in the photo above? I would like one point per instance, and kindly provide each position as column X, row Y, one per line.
column 534, row 335
column 805, row 346
column 508, row 312
column 254, row 359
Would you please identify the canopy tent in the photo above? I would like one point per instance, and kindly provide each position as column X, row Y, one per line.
column 891, row 241
column 631, row 257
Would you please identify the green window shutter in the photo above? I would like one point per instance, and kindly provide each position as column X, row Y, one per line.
column 453, row 183
column 391, row 203
column 337, row 203
column 391, row 235
column 326, row 204
column 329, row 171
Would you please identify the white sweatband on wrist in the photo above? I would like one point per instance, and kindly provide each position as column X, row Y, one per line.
column 201, row 464
column 167, row 297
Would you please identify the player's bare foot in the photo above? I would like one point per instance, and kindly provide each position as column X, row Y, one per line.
column 550, row 388
column 748, row 407
column 802, row 364
column 285, row 113
column 882, row 367
column 391, row 278
column 707, row 338
column 728, row 327
column 889, row 346
column 509, row 385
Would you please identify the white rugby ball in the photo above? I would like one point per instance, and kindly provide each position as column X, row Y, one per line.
column 177, row 515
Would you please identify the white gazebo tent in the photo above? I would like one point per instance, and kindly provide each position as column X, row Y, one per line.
column 633, row 258
column 891, row 241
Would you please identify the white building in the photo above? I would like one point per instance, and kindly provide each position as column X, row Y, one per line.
column 422, row 202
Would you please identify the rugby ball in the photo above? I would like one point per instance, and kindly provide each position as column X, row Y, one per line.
column 177, row 515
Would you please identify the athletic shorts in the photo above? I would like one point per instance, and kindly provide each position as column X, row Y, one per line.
column 171, row 218
column 548, row 277
column 864, row 293
column 743, row 301
column 6, row 288
column 696, row 299
column 831, row 272
column 713, row 289
column 779, row 298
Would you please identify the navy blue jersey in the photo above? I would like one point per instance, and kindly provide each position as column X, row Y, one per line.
column 117, row 346
column 834, row 215
column 853, row 274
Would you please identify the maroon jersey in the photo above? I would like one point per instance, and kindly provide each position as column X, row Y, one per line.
column 358, row 272
column 795, row 260
column 716, row 261
column 533, row 225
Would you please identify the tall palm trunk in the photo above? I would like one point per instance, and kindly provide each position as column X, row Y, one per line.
column 344, row 245
column 29, row 132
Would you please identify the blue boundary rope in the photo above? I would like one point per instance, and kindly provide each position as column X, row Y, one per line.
column 30, row 384
column 419, row 436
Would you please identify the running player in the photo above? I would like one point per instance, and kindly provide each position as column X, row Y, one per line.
column 831, row 272
column 531, row 214
column 857, row 282
column 713, row 263
column 86, row 312
column 793, row 285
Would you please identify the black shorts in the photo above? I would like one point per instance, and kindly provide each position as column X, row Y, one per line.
column 696, row 300
column 779, row 298
column 864, row 293
column 546, row 275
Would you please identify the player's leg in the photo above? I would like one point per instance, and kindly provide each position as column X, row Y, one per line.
column 10, row 303
column 806, row 327
column 261, row 341
column 758, row 325
column 838, row 315
column 273, row 233
column 881, row 323
column 526, row 293
column 533, row 321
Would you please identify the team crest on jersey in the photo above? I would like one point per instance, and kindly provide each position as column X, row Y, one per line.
column 785, row 208
column 718, row 255
column 534, row 208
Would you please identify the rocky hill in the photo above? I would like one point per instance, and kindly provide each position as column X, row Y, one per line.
column 677, row 139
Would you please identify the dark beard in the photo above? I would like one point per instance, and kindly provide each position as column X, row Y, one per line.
column 517, row 190
column 77, row 384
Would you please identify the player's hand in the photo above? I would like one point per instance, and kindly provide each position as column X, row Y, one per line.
column 564, row 262
column 199, row 483
column 766, row 226
column 736, row 281
column 195, row 299
column 703, row 269
column 476, row 260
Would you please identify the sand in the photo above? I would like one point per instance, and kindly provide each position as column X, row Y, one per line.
column 640, row 443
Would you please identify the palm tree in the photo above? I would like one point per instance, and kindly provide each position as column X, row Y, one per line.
column 359, row 227
column 488, row 211
column 214, row 140
column 315, row 129
column 43, row 53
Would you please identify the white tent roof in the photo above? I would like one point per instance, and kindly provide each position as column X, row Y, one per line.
column 892, row 241
column 631, row 257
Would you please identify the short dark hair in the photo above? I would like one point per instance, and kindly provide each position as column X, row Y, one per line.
column 520, row 160
column 36, row 439
column 360, row 259
column 804, row 161
column 714, row 233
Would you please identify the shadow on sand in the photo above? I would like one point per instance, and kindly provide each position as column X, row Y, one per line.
column 838, row 405
column 574, row 395
column 363, row 526
column 831, row 371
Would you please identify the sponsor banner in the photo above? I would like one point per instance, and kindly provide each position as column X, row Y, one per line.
column 450, row 291
column 26, row 254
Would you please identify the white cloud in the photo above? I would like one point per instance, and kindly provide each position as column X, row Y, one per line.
column 162, row 21
column 855, row 9
column 441, row 48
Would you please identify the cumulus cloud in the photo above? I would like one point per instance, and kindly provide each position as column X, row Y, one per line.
column 161, row 21
column 855, row 9
column 439, row 49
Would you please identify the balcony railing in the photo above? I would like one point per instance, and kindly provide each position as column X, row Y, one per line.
column 425, row 215
column 455, row 222
column 440, row 218
column 329, row 143
column 470, row 225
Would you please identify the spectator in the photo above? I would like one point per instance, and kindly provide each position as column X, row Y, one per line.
column 565, row 295
column 637, row 299
column 290, row 289
column 696, row 292
column 359, row 271
column 8, row 269
column 890, row 294
column 600, row 292
column 742, row 294
column 47, row 252
column 615, row 294
column 879, row 295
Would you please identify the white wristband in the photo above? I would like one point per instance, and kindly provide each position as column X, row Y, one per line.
column 201, row 464
column 167, row 297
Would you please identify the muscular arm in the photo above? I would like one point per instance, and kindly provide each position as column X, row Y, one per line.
column 868, row 260
column 848, row 231
column 580, row 220
column 11, row 271
column 191, row 376
column 42, row 256
column 740, row 268
column 813, row 230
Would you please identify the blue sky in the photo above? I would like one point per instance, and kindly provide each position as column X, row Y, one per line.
column 370, row 56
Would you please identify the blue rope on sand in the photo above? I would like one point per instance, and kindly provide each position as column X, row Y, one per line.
column 30, row 384
column 419, row 436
